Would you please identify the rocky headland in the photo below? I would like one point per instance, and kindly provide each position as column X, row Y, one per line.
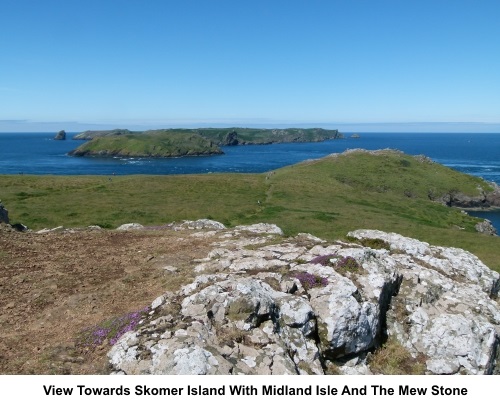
column 484, row 200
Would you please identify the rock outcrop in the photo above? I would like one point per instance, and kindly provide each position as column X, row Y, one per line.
column 4, row 214
column 60, row 136
column 484, row 200
column 129, row 227
column 265, row 304
column 486, row 227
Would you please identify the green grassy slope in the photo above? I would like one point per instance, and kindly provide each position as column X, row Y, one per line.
column 327, row 197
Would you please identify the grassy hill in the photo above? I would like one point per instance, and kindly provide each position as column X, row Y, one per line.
column 328, row 197
column 157, row 143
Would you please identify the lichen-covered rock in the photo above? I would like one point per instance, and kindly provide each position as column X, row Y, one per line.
column 268, row 305
column 260, row 228
column 129, row 227
column 445, row 308
column 200, row 224
column 486, row 227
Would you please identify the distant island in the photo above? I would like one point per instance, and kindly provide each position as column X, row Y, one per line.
column 60, row 136
column 189, row 142
column 158, row 143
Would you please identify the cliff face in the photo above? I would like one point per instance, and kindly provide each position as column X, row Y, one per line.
column 265, row 304
column 484, row 200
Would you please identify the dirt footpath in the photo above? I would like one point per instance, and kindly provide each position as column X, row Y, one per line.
column 54, row 285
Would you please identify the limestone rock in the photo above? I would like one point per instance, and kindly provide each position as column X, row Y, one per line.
column 200, row 224
column 260, row 228
column 47, row 230
column 129, row 227
column 300, row 306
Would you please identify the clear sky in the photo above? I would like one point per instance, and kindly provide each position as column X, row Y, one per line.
column 368, row 64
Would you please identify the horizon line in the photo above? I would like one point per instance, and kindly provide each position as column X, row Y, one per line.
column 403, row 126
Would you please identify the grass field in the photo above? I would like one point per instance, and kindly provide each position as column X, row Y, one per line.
column 328, row 197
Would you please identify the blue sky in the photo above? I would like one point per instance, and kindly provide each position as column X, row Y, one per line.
column 349, row 64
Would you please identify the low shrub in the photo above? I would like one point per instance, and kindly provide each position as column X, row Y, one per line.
column 309, row 280
column 346, row 264
column 324, row 260
column 375, row 243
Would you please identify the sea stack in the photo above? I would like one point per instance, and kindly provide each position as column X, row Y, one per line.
column 61, row 136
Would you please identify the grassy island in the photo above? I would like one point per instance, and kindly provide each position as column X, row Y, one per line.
column 126, row 141
column 157, row 143
column 234, row 136
column 253, row 136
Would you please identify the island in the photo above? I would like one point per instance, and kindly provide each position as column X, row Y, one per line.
column 155, row 143
column 88, row 135
column 189, row 142
column 60, row 136
column 254, row 136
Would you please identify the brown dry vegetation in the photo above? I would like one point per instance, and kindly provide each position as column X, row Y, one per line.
column 54, row 285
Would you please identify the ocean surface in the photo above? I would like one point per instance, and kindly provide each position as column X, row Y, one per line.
column 37, row 153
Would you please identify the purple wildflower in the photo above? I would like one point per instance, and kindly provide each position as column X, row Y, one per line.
column 111, row 329
column 309, row 280
column 347, row 263
column 324, row 260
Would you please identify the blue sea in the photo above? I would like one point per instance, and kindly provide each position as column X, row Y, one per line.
column 37, row 153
